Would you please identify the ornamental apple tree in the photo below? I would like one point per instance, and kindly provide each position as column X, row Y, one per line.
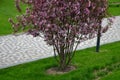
column 63, row 24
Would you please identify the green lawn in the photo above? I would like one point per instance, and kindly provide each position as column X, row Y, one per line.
column 114, row 10
column 113, row 76
column 114, row 0
column 8, row 10
column 90, row 65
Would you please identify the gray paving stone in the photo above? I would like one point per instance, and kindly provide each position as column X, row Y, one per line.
column 24, row 48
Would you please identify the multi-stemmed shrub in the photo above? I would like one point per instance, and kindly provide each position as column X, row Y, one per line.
column 63, row 24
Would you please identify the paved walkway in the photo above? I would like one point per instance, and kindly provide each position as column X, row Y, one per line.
column 24, row 48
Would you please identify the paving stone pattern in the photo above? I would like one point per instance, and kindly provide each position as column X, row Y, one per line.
column 24, row 48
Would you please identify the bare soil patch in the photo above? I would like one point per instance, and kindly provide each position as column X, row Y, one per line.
column 55, row 70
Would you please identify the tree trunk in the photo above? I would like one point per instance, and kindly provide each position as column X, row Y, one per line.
column 62, row 61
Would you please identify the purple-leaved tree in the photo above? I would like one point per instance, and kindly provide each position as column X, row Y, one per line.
column 63, row 24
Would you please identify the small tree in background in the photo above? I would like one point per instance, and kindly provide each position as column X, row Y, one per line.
column 63, row 24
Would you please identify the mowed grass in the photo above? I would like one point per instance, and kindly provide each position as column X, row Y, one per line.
column 114, row 0
column 114, row 10
column 113, row 76
column 8, row 10
column 90, row 66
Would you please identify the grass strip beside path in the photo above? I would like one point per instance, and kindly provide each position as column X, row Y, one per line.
column 87, row 62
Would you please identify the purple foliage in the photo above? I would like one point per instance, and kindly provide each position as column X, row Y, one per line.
column 63, row 23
